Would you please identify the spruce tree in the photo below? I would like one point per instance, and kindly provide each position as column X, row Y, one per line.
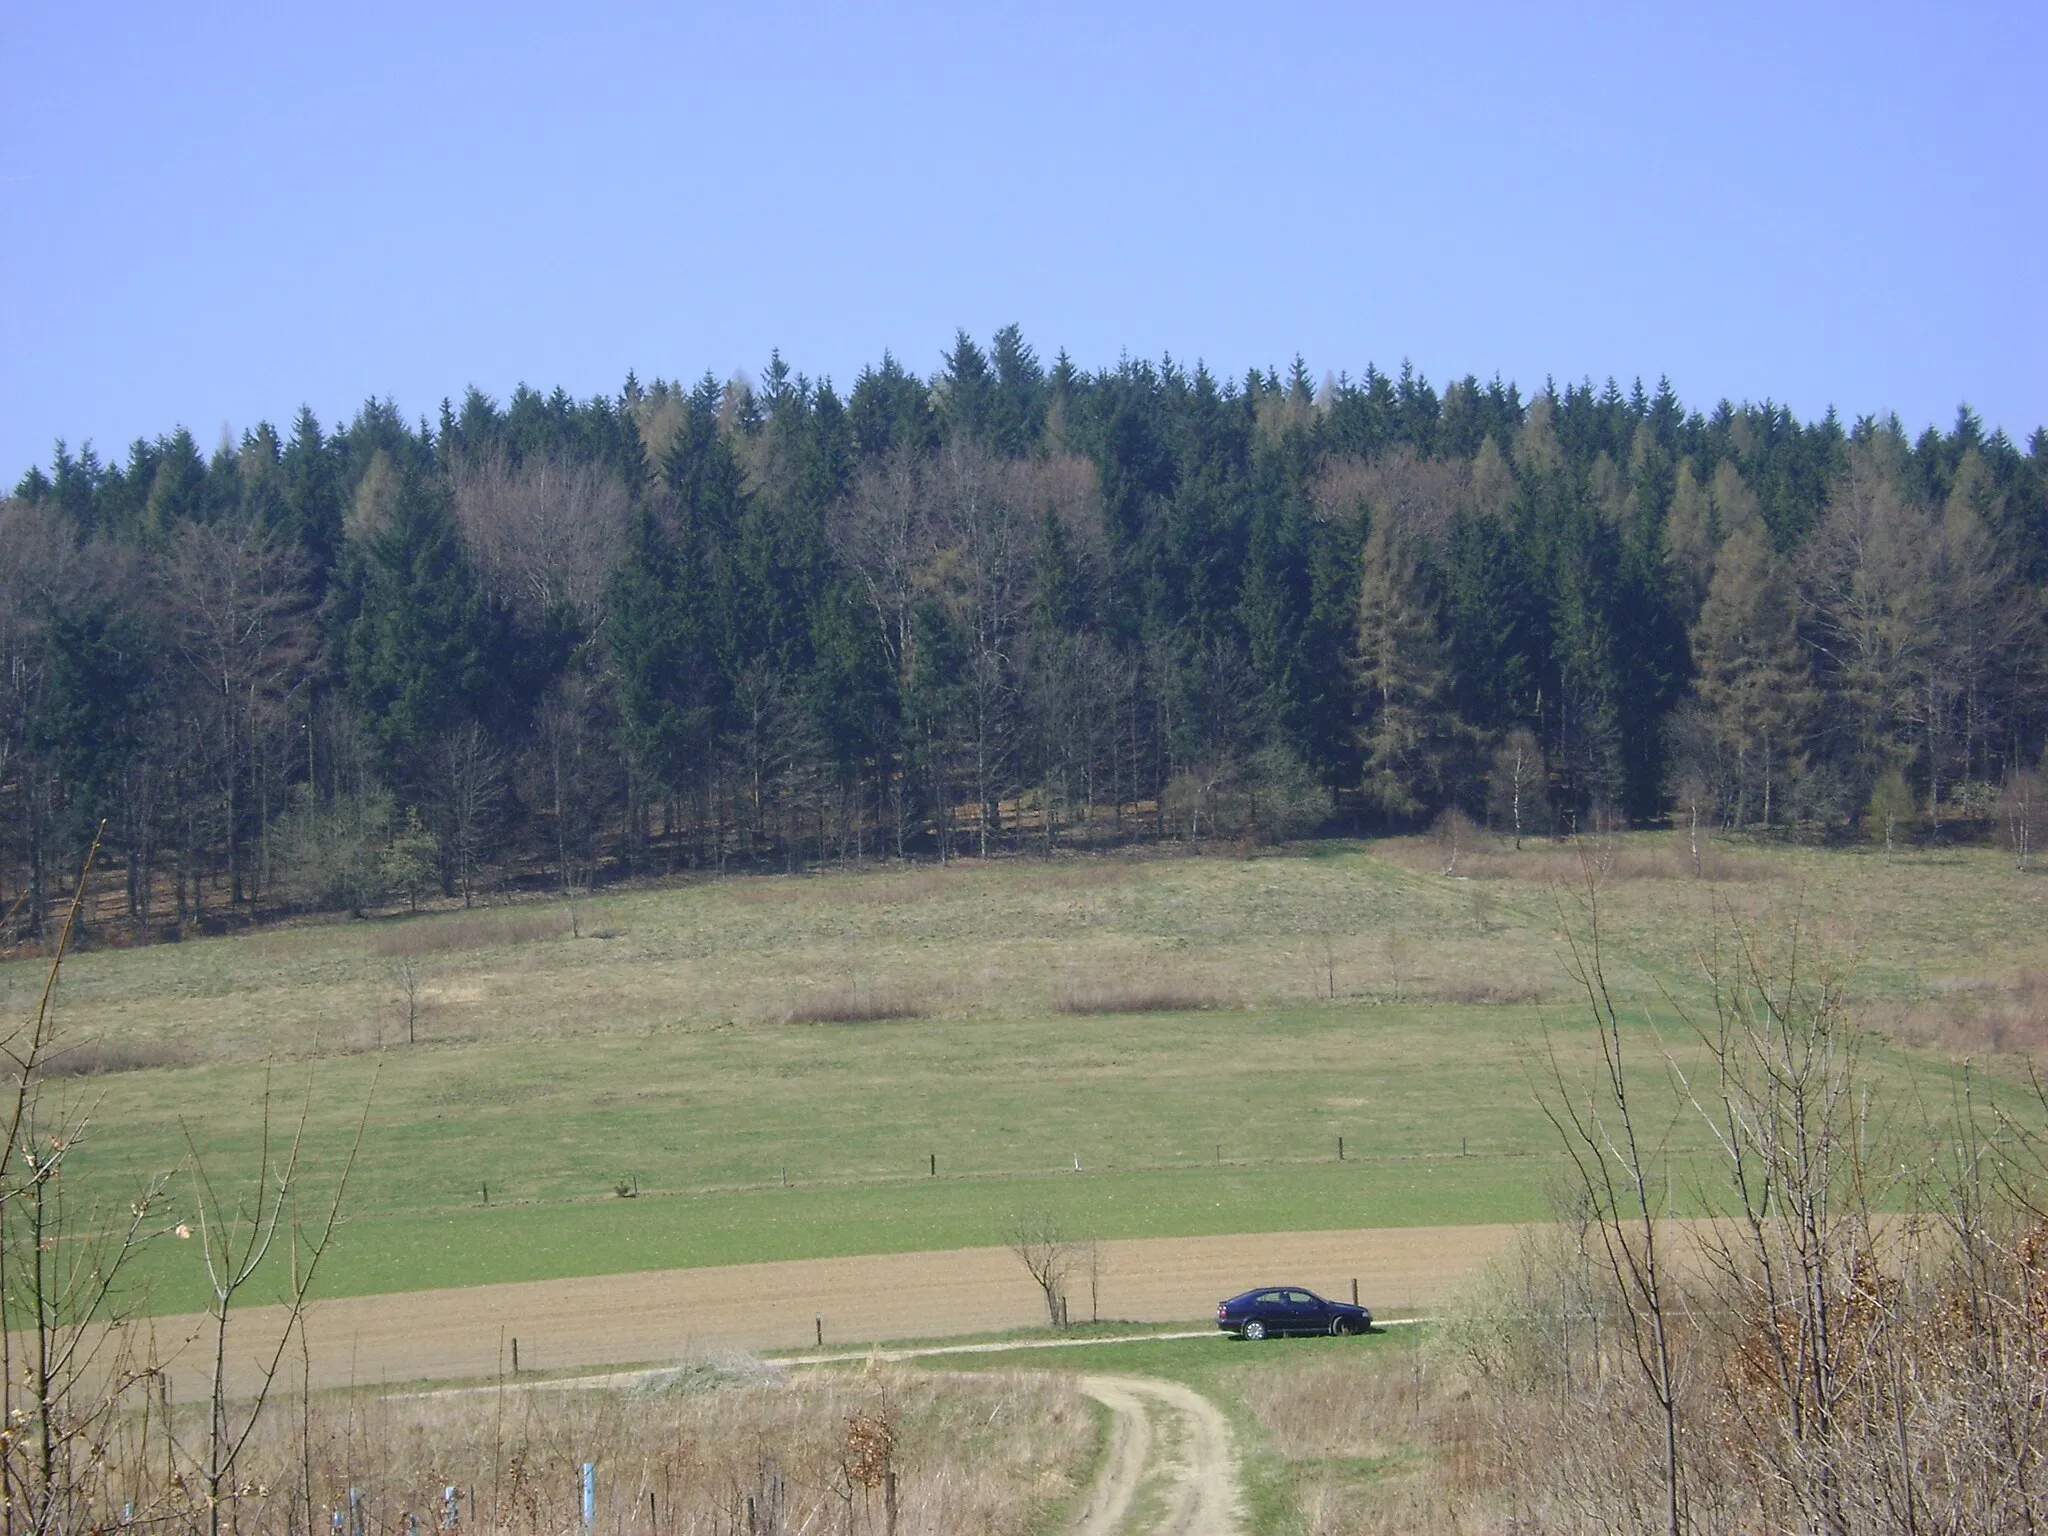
column 312, row 496
column 658, row 635
column 419, row 649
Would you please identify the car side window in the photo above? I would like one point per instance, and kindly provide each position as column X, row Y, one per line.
column 1270, row 1298
column 1300, row 1299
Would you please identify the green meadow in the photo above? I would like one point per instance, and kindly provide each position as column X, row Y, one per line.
column 710, row 1049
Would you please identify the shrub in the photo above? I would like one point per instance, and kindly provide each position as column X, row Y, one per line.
column 331, row 851
column 853, row 1005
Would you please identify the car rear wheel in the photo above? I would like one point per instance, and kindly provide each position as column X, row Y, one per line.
column 1254, row 1330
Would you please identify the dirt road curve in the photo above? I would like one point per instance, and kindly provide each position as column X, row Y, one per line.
column 467, row 1334
column 1194, row 1473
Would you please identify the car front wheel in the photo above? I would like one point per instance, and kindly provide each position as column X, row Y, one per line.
column 1255, row 1330
column 1341, row 1326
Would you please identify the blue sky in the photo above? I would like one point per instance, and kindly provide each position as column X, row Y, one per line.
column 215, row 212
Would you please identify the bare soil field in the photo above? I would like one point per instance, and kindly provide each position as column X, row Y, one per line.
column 664, row 1315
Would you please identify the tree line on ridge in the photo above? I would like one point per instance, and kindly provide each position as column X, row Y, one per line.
column 1011, row 605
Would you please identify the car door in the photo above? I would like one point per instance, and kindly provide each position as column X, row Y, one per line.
column 1306, row 1313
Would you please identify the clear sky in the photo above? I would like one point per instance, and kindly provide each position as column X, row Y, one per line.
column 215, row 212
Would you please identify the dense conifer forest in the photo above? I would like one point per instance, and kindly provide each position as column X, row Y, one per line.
column 1012, row 606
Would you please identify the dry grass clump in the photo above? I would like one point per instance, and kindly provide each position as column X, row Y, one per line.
column 1381, row 1444
column 1141, row 997
column 492, row 928
column 1507, row 992
column 1333, row 1409
column 1489, row 857
column 716, row 1448
column 101, row 1058
column 854, row 1005
column 1973, row 1015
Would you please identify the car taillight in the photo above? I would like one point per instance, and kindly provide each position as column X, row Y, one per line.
column 1221, row 1311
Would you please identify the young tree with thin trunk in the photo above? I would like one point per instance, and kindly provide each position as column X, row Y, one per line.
column 1693, row 749
column 1617, row 1155
column 238, row 1237
column 67, row 1361
column 1798, row 1260
column 2022, row 812
column 1891, row 805
column 986, row 585
column 1515, row 787
column 409, row 978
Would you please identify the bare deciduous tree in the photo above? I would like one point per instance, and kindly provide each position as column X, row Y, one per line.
column 468, row 788
column 883, row 530
column 242, row 618
column 1421, row 496
column 543, row 533
column 1048, row 1255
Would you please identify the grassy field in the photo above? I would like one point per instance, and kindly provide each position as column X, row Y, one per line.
column 711, row 1047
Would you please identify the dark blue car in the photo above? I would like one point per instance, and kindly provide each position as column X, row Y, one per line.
column 1278, row 1309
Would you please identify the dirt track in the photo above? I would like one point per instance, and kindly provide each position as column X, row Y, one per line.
column 453, row 1335
column 1198, row 1471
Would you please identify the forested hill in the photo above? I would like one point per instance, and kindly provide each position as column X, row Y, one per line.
column 1011, row 605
